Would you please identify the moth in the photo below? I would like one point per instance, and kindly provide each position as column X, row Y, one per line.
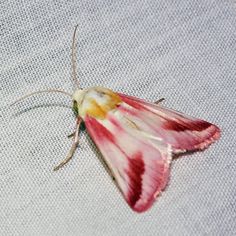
column 136, row 138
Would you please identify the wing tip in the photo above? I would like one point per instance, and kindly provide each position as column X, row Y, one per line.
column 143, row 208
column 147, row 204
column 216, row 134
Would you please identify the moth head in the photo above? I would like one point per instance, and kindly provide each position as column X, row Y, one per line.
column 77, row 98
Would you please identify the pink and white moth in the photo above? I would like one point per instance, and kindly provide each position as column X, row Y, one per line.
column 136, row 138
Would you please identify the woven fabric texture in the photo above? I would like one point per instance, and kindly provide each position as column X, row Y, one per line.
column 184, row 51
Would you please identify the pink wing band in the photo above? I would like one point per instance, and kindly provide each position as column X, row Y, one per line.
column 182, row 132
column 140, row 169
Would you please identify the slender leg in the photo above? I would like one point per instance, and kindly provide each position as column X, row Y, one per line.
column 160, row 100
column 73, row 147
column 71, row 135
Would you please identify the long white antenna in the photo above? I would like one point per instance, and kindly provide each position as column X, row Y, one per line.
column 41, row 91
column 74, row 55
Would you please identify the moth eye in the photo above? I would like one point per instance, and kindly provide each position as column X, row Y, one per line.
column 82, row 126
column 75, row 108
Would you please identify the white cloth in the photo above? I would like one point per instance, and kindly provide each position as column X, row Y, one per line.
column 183, row 51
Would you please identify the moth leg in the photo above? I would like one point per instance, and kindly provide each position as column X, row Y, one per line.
column 73, row 147
column 160, row 100
column 71, row 135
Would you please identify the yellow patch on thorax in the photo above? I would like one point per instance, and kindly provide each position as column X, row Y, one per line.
column 100, row 101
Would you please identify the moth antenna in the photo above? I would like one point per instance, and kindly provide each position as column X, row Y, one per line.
column 74, row 74
column 41, row 91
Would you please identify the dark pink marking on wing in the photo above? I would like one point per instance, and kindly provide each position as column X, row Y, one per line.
column 132, row 103
column 192, row 134
column 102, row 133
column 180, row 125
column 135, row 172
column 127, row 110
column 115, row 122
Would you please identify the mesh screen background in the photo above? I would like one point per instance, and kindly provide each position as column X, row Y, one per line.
column 184, row 51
